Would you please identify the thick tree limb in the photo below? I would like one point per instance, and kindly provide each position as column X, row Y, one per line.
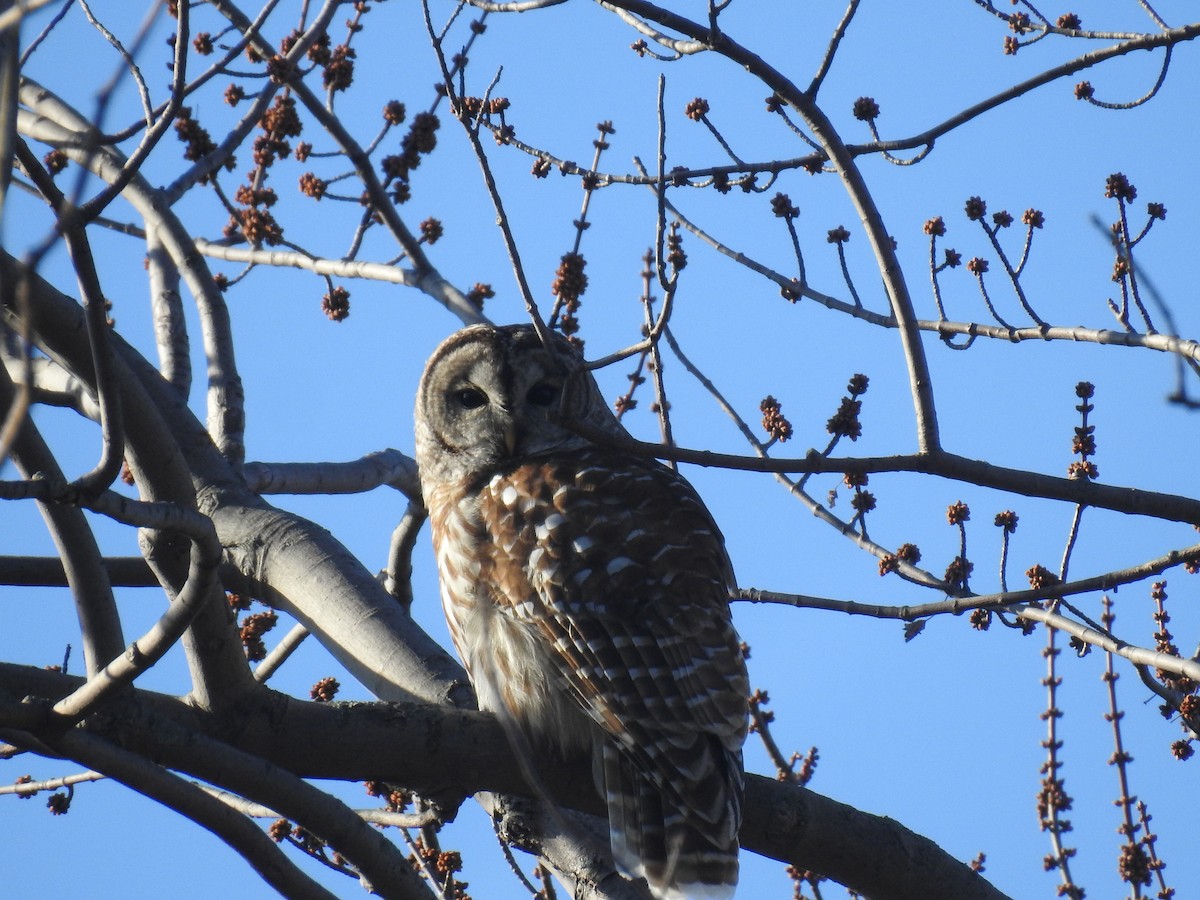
column 318, row 579
column 441, row 751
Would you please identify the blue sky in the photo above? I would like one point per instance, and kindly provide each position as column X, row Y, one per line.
column 941, row 733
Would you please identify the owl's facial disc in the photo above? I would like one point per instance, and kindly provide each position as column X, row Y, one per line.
column 492, row 396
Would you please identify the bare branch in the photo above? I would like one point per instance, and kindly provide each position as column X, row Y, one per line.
column 832, row 48
column 1140, row 656
column 389, row 468
column 280, row 653
column 80, row 562
column 1129, row 44
column 1172, row 507
column 397, row 577
column 149, row 649
column 681, row 48
column 515, row 6
column 19, row 10
column 510, row 244
column 339, row 268
column 233, row 828
column 374, row 816
column 170, row 328
column 30, row 788
column 421, row 745
column 69, row 131
column 48, row 571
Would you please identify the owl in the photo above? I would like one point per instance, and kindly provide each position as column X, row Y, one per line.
column 586, row 591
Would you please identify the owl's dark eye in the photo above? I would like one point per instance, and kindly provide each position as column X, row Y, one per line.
column 470, row 398
column 542, row 394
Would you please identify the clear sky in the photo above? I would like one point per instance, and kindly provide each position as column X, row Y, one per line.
column 941, row 733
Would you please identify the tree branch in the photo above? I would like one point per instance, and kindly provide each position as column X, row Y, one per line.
column 920, row 382
column 239, row 832
column 382, row 468
column 1134, row 501
column 436, row 750
column 71, row 132
column 81, row 565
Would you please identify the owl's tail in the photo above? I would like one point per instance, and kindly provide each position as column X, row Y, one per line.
column 679, row 832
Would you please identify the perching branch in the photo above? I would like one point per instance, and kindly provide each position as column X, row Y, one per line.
column 424, row 746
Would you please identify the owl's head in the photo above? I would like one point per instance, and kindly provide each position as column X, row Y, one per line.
column 491, row 396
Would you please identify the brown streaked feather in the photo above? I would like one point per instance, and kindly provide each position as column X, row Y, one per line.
column 630, row 585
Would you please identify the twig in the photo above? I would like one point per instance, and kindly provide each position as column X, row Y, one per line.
column 680, row 48
column 280, row 653
column 145, row 652
column 1129, row 43
column 1053, row 798
column 1132, row 852
column 1072, row 536
column 237, row 831
column 1150, row 94
column 30, row 788
column 502, row 220
column 397, row 579
column 514, row 5
column 832, row 47
column 880, row 240
column 369, row 814
column 1013, row 273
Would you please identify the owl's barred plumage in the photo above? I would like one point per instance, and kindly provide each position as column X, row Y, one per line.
column 586, row 591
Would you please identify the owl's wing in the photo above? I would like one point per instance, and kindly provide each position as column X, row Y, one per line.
column 630, row 592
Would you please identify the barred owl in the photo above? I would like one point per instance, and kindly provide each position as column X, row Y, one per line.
column 586, row 591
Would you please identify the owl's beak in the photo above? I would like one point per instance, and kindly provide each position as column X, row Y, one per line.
column 510, row 437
